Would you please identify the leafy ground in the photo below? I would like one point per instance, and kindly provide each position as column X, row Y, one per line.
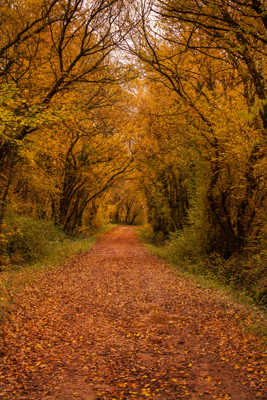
column 116, row 323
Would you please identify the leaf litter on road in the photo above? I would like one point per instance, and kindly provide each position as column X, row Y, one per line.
column 116, row 323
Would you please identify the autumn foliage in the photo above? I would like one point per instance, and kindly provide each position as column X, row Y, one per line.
column 202, row 132
column 61, row 143
column 136, row 112
column 132, row 112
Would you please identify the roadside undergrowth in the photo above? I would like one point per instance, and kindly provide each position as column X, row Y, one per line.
column 208, row 279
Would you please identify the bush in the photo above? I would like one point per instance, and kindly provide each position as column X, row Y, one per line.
column 248, row 271
column 187, row 245
column 146, row 233
column 26, row 239
column 244, row 272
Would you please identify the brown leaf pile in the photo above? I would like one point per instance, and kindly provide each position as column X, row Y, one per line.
column 117, row 324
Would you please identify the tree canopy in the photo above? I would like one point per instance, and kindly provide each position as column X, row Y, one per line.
column 137, row 112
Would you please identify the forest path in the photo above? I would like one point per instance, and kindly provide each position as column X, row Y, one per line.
column 116, row 323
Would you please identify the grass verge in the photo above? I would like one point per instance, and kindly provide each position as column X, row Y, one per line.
column 203, row 278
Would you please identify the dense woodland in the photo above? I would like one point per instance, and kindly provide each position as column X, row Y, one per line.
column 140, row 112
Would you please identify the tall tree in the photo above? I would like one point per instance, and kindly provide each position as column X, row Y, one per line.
column 48, row 49
column 195, row 53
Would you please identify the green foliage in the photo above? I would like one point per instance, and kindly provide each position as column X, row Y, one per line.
column 248, row 271
column 191, row 244
column 9, row 101
column 243, row 274
column 28, row 241
column 15, row 113
column 186, row 245
column 146, row 233
column 25, row 239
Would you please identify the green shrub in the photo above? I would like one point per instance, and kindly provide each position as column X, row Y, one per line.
column 187, row 245
column 248, row 271
column 243, row 273
column 146, row 233
column 26, row 239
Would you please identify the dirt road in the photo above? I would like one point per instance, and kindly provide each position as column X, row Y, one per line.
column 116, row 323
